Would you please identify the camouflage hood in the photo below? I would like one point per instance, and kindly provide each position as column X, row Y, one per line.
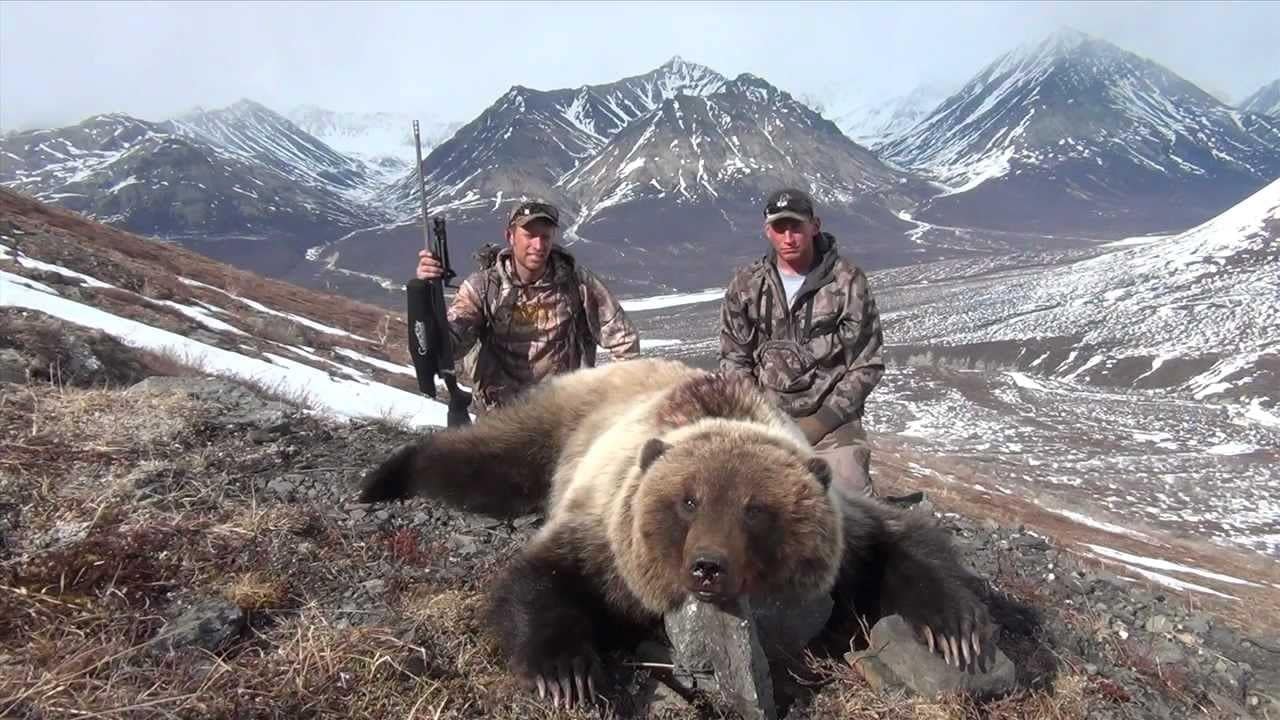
column 820, row 355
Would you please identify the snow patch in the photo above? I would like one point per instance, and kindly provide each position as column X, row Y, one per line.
column 1165, row 565
column 1232, row 448
column 664, row 301
column 264, row 309
column 1026, row 382
column 1099, row 524
column 24, row 261
column 341, row 398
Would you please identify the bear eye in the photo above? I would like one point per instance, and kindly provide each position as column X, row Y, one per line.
column 690, row 503
column 756, row 513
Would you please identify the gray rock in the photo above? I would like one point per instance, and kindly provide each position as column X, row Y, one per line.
column 63, row 533
column 1158, row 624
column 13, row 368
column 723, row 641
column 463, row 544
column 1198, row 623
column 233, row 403
column 896, row 660
column 1168, row 652
column 150, row 473
column 280, row 487
column 209, row 624
column 785, row 624
column 660, row 700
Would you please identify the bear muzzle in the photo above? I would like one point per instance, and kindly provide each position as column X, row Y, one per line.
column 709, row 577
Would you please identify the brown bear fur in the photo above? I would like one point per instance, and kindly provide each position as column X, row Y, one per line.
column 660, row 481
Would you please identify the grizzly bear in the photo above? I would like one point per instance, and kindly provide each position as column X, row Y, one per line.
column 660, row 481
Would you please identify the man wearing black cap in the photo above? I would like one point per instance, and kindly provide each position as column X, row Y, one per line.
column 532, row 310
column 802, row 324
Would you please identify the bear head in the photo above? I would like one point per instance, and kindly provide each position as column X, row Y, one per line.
column 732, row 509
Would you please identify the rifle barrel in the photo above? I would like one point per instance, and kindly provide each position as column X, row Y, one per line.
column 422, row 187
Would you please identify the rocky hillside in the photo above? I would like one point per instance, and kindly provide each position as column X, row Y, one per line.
column 1075, row 135
column 180, row 545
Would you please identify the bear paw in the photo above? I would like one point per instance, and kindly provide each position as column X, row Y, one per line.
column 572, row 676
column 956, row 626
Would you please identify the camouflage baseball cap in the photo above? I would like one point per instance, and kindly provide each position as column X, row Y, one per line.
column 525, row 212
column 788, row 203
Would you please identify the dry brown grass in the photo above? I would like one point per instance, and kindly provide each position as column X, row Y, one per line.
column 80, row 610
column 850, row 696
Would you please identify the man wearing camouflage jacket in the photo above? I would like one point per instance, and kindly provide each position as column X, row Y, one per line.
column 531, row 310
column 801, row 323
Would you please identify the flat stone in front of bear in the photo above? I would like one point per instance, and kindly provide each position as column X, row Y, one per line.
column 895, row 660
column 708, row 640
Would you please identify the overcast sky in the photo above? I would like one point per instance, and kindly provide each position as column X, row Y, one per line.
column 63, row 61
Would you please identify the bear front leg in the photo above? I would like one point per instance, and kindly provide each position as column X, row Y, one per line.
column 900, row 563
column 544, row 613
column 924, row 582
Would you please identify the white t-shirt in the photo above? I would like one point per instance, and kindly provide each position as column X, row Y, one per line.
column 790, row 284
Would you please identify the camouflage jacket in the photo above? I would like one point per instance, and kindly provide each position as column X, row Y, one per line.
column 508, row 335
column 820, row 356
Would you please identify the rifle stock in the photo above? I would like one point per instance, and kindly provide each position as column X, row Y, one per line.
column 430, row 343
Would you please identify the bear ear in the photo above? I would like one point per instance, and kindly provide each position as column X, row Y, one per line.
column 821, row 470
column 651, row 451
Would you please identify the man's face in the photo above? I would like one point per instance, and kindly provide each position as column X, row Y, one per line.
column 791, row 238
column 531, row 243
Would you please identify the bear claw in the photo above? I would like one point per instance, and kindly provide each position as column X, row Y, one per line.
column 963, row 651
column 560, row 679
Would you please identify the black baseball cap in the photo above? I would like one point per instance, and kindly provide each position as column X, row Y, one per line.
column 788, row 203
column 532, row 210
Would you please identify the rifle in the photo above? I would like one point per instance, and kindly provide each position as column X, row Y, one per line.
column 430, row 344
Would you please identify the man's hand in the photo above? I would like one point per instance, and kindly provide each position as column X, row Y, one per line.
column 813, row 429
column 429, row 268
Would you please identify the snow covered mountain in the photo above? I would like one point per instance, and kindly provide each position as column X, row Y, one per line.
column 872, row 122
column 258, row 134
column 243, row 185
column 1266, row 101
column 156, row 179
column 1075, row 135
column 1193, row 312
column 518, row 148
column 523, row 143
column 704, row 164
column 383, row 140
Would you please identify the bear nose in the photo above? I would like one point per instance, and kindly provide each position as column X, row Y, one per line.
column 708, row 568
